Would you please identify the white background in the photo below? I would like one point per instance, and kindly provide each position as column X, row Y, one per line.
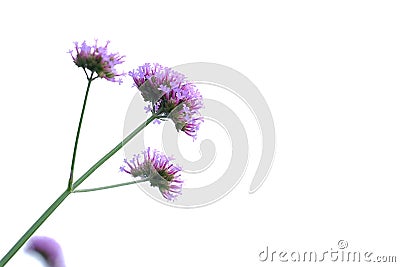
column 329, row 71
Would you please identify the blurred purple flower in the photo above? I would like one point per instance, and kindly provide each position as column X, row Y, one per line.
column 97, row 59
column 170, row 96
column 48, row 249
column 158, row 169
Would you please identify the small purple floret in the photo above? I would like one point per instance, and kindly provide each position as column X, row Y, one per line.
column 48, row 249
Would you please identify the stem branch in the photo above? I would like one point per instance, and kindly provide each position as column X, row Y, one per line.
column 71, row 175
column 67, row 192
column 110, row 186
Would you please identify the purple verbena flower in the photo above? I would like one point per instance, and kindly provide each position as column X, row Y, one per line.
column 48, row 249
column 171, row 96
column 97, row 59
column 158, row 169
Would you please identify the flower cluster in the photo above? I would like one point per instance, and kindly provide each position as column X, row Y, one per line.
column 158, row 170
column 170, row 96
column 97, row 59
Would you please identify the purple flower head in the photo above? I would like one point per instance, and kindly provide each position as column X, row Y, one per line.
column 158, row 169
column 48, row 249
column 97, row 59
column 170, row 96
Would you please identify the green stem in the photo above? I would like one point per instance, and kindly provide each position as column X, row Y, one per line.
column 110, row 186
column 34, row 227
column 71, row 175
column 67, row 192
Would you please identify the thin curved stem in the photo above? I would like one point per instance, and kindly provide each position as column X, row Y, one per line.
column 67, row 192
column 110, row 186
column 87, row 76
column 71, row 174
